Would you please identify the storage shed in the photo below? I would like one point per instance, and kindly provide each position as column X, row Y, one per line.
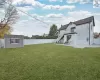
column 13, row 41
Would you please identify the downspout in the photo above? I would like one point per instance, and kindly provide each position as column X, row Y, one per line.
column 89, row 34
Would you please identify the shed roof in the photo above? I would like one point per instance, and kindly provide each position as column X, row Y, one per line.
column 13, row 36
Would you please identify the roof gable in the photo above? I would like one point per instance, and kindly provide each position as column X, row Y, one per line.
column 79, row 22
column 84, row 21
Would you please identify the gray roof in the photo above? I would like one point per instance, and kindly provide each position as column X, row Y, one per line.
column 13, row 36
column 79, row 22
column 64, row 26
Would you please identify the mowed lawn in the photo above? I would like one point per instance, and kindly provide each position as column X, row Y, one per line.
column 50, row 62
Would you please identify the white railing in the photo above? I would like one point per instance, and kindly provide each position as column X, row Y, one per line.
column 58, row 39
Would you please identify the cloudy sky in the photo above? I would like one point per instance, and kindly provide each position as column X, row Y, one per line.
column 52, row 12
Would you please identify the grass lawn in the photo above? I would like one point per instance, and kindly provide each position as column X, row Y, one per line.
column 49, row 62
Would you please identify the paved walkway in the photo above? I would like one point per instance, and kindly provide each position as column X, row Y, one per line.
column 81, row 46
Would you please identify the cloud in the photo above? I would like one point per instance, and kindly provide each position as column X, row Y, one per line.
column 34, row 3
column 79, row 14
column 55, row 0
column 72, row 1
column 54, row 15
column 79, row 1
column 17, row 32
column 59, row 7
column 52, row 0
column 61, row 0
column 26, row 8
column 30, row 27
column 82, row 14
column 23, row 1
column 38, row 4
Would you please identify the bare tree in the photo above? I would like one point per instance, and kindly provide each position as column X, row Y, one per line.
column 10, row 14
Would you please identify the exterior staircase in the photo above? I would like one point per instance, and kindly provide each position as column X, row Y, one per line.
column 59, row 38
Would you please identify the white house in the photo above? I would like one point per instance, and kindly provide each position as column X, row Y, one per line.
column 77, row 33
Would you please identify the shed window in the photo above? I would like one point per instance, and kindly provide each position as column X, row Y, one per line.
column 14, row 41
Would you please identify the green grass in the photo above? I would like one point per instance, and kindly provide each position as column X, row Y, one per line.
column 50, row 62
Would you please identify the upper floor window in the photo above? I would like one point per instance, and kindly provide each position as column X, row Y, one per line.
column 72, row 29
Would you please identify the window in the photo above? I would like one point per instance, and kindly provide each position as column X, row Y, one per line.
column 72, row 29
column 14, row 41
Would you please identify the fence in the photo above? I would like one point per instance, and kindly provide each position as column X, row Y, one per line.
column 97, row 41
column 1, row 43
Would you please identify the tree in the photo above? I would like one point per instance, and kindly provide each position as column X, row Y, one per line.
column 53, row 30
column 96, row 35
column 10, row 15
column 5, row 30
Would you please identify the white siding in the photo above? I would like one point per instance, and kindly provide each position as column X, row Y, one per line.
column 91, row 33
column 68, row 30
column 65, row 38
column 82, row 34
column 62, row 32
column 72, row 41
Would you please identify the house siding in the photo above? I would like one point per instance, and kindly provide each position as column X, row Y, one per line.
column 73, row 41
column 91, row 33
column 68, row 30
column 83, row 34
column 84, row 30
column 82, row 37
column 62, row 32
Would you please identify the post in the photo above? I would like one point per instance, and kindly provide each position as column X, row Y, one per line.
column 75, row 39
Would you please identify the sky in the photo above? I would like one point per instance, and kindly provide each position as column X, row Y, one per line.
column 59, row 12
